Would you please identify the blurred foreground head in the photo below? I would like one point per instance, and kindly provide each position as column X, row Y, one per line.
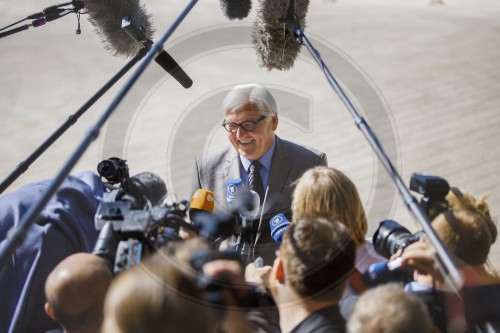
column 155, row 296
column 75, row 292
column 388, row 308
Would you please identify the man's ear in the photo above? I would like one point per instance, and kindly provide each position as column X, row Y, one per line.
column 275, row 122
column 278, row 271
column 48, row 311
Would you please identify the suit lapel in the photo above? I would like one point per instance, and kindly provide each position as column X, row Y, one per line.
column 280, row 168
column 232, row 166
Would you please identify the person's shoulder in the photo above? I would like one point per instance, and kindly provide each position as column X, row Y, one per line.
column 214, row 154
column 295, row 146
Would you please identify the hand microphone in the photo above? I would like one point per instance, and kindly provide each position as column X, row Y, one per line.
column 241, row 200
column 236, row 9
column 385, row 272
column 202, row 201
column 232, row 189
column 107, row 18
column 279, row 223
column 275, row 46
column 250, row 205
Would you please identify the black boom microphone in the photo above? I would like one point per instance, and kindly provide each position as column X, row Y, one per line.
column 118, row 20
column 274, row 43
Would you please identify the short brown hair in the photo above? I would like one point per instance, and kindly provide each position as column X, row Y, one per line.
column 156, row 294
column 329, row 193
column 318, row 256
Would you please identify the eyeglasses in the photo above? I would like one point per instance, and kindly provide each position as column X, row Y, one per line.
column 247, row 125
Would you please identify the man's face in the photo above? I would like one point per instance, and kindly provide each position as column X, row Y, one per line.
column 253, row 144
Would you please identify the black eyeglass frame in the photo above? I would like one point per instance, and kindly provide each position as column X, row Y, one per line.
column 243, row 124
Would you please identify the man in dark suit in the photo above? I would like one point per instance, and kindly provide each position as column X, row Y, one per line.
column 251, row 118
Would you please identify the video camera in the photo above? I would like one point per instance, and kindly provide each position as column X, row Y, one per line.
column 131, row 227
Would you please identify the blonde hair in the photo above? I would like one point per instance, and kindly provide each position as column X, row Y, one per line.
column 329, row 193
column 466, row 228
column 465, row 234
column 461, row 199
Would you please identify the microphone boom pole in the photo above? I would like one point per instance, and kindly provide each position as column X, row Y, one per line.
column 17, row 236
column 70, row 121
column 443, row 260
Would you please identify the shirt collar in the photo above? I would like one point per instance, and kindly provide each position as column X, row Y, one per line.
column 265, row 160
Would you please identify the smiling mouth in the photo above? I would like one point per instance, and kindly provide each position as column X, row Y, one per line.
column 246, row 142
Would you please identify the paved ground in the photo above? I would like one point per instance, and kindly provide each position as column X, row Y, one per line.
column 425, row 76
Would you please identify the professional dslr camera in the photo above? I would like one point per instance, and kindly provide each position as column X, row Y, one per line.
column 391, row 236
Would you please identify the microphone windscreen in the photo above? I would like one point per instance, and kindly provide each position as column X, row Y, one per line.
column 236, row 9
column 275, row 45
column 106, row 17
column 202, row 200
column 148, row 185
column 279, row 223
column 232, row 189
column 250, row 205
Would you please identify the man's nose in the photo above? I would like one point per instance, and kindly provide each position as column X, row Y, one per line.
column 241, row 131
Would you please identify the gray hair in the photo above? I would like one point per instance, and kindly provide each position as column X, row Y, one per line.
column 250, row 93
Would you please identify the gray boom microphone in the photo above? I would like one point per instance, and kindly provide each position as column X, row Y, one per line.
column 106, row 17
column 275, row 45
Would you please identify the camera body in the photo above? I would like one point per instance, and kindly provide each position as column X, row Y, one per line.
column 126, row 234
column 434, row 190
column 391, row 236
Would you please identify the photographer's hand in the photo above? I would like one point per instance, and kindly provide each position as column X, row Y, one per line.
column 258, row 275
column 420, row 255
column 230, row 273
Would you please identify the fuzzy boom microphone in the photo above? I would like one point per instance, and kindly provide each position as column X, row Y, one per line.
column 108, row 17
column 236, row 9
column 275, row 45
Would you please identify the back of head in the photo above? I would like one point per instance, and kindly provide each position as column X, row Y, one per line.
column 465, row 234
column 155, row 297
column 318, row 256
column 75, row 292
column 329, row 193
column 255, row 94
column 388, row 308
column 461, row 199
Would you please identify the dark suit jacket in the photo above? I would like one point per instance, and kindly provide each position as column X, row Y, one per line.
column 214, row 169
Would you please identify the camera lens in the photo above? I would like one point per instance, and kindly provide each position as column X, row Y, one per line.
column 390, row 237
column 106, row 168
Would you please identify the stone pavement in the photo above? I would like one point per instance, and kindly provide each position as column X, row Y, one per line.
column 425, row 76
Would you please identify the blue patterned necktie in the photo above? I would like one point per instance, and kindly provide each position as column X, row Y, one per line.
column 255, row 180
